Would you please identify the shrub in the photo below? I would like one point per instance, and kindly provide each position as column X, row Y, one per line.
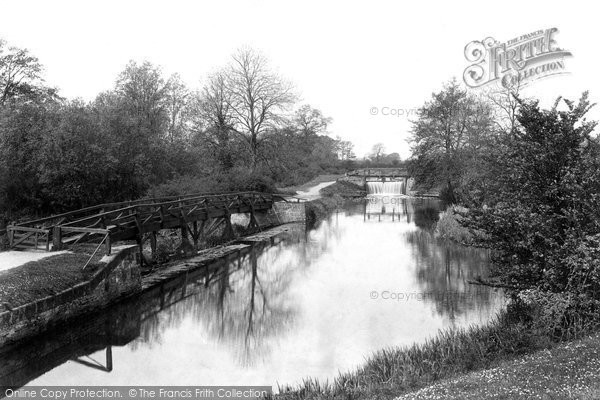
column 449, row 226
column 543, row 219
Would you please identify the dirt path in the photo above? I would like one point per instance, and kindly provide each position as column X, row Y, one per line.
column 313, row 192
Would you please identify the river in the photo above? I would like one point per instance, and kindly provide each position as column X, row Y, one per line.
column 314, row 304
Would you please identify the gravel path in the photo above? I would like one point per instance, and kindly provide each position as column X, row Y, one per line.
column 12, row 259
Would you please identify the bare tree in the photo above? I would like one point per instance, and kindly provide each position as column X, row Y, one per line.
column 505, row 104
column 257, row 98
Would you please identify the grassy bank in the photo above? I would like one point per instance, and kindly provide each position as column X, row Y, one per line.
column 450, row 354
column 333, row 197
column 37, row 279
column 344, row 189
column 567, row 371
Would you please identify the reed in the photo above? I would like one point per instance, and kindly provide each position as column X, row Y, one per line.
column 393, row 371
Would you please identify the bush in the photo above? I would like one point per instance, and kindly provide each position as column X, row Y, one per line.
column 543, row 219
column 560, row 315
column 449, row 226
column 319, row 209
column 236, row 180
column 344, row 189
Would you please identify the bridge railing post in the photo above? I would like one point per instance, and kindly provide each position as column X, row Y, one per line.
column 56, row 238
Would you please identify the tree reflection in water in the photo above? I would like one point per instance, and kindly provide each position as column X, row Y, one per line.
column 443, row 270
column 242, row 302
column 301, row 306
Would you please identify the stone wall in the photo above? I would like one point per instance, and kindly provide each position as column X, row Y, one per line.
column 118, row 276
column 282, row 213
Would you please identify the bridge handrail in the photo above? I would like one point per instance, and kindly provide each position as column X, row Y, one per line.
column 377, row 171
column 126, row 203
column 286, row 198
column 175, row 202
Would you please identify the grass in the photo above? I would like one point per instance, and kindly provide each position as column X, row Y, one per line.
column 334, row 196
column 344, row 189
column 567, row 371
column 392, row 372
column 37, row 279
column 319, row 209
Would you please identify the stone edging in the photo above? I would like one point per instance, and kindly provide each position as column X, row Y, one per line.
column 33, row 308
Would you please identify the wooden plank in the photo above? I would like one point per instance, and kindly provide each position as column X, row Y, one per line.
column 83, row 229
column 27, row 229
column 22, row 239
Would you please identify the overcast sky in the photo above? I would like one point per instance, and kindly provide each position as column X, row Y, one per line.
column 344, row 57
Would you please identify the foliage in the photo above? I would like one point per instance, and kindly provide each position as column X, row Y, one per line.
column 391, row 372
column 344, row 189
column 152, row 135
column 450, row 136
column 542, row 217
column 449, row 226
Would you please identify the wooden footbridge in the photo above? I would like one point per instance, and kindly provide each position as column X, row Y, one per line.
column 131, row 220
column 380, row 174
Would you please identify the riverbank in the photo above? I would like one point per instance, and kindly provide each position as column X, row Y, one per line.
column 47, row 276
column 178, row 268
column 454, row 361
column 567, row 371
column 37, row 289
column 332, row 198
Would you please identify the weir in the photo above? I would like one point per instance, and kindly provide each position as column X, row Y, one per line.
column 386, row 188
column 382, row 181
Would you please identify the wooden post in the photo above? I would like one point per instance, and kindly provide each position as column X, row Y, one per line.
column 109, row 361
column 108, row 246
column 140, row 242
column 228, row 227
column 56, row 238
column 11, row 236
column 153, row 243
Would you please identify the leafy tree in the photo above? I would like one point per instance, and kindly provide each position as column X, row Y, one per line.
column 377, row 152
column 310, row 121
column 20, row 73
column 542, row 220
column 345, row 149
column 212, row 122
column 453, row 129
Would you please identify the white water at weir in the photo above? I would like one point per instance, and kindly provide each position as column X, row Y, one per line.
column 392, row 187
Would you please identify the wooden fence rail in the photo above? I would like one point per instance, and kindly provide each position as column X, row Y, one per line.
column 130, row 220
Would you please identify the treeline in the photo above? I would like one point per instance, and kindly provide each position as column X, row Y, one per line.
column 153, row 135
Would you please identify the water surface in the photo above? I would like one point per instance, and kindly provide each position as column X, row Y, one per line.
column 314, row 304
